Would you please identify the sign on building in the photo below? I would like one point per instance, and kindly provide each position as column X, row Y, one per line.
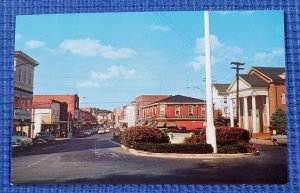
column 22, row 114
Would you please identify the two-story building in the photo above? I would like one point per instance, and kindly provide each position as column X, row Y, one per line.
column 261, row 91
column 46, row 117
column 176, row 112
column 24, row 67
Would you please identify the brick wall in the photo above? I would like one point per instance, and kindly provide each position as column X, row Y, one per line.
column 275, row 97
column 145, row 100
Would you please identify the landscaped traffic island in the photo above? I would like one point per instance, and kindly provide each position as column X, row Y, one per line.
column 154, row 140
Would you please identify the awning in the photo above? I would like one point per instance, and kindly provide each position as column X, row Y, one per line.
column 171, row 124
column 141, row 123
column 161, row 124
column 190, row 125
column 152, row 123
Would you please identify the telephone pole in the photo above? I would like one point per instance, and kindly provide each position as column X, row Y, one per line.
column 237, row 68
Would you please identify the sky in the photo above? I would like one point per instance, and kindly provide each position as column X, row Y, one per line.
column 109, row 59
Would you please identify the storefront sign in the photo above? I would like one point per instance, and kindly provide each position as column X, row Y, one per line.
column 22, row 114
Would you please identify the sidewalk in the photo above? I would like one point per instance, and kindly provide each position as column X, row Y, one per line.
column 262, row 141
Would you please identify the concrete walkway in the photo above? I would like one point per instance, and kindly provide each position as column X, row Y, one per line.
column 262, row 141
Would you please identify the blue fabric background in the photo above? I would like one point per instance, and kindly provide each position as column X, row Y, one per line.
column 10, row 8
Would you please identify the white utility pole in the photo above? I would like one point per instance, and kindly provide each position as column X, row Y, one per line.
column 210, row 128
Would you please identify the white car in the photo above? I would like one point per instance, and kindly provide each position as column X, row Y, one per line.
column 20, row 140
column 101, row 130
column 279, row 139
column 107, row 130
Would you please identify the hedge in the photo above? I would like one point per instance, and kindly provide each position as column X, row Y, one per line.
column 224, row 135
column 173, row 148
column 238, row 148
column 146, row 134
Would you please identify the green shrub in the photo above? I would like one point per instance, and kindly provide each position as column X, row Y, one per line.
column 278, row 121
column 224, row 136
column 174, row 148
column 146, row 134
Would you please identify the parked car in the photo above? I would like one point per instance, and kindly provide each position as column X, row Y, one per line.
column 44, row 138
column 101, row 130
column 20, row 140
column 107, row 130
column 82, row 134
column 279, row 139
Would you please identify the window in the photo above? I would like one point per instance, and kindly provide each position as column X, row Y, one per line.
column 225, row 109
column 283, row 100
column 162, row 109
column 190, row 110
column 225, row 99
column 29, row 80
column 20, row 74
column 24, row 80
column 177, row 110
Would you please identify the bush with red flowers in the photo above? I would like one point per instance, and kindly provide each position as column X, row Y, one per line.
column 143, row 134
column 224, row 135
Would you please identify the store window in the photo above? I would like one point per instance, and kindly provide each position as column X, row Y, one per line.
column 177, row 110
column 190, row 110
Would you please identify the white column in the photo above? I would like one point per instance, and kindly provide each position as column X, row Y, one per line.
column 231, row 112
column 246, row 114
column 254, row 114
column 210, row 129
column 268, row 110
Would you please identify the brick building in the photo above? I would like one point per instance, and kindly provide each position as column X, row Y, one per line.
column 176, row 112
column 73, row 106
column 86, row 118
column 24, row 67
column 261, row 91
column 144, row 100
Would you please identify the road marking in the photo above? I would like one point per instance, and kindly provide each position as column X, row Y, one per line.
column 45, row 158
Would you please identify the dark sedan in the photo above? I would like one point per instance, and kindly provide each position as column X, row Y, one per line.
column 44, row 138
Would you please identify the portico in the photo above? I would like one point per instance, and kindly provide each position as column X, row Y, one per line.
column 254, row 104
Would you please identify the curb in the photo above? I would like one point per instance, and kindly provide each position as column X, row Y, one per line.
column 116, row 143
column 187, row 156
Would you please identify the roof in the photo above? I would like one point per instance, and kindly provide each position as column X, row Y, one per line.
column 271, row 72
column 44, row 104
column 221, row 88
column 179, row 99
column 253, row 80
column 25, row 56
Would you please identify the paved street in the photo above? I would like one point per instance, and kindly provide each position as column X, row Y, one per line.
column 96, row 160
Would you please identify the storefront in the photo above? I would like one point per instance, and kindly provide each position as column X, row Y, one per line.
column 22, row 121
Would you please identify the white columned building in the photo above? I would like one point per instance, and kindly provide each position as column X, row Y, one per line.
column 258, row 92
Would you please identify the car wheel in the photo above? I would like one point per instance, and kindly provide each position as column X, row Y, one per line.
column 275, row 142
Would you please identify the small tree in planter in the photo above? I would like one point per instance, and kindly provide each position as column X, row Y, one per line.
column 278, row 121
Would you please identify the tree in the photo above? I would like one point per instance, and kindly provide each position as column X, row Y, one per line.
column 220, row 120
column 278, row 121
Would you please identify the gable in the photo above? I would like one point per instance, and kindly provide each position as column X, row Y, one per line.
column 242, row 85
